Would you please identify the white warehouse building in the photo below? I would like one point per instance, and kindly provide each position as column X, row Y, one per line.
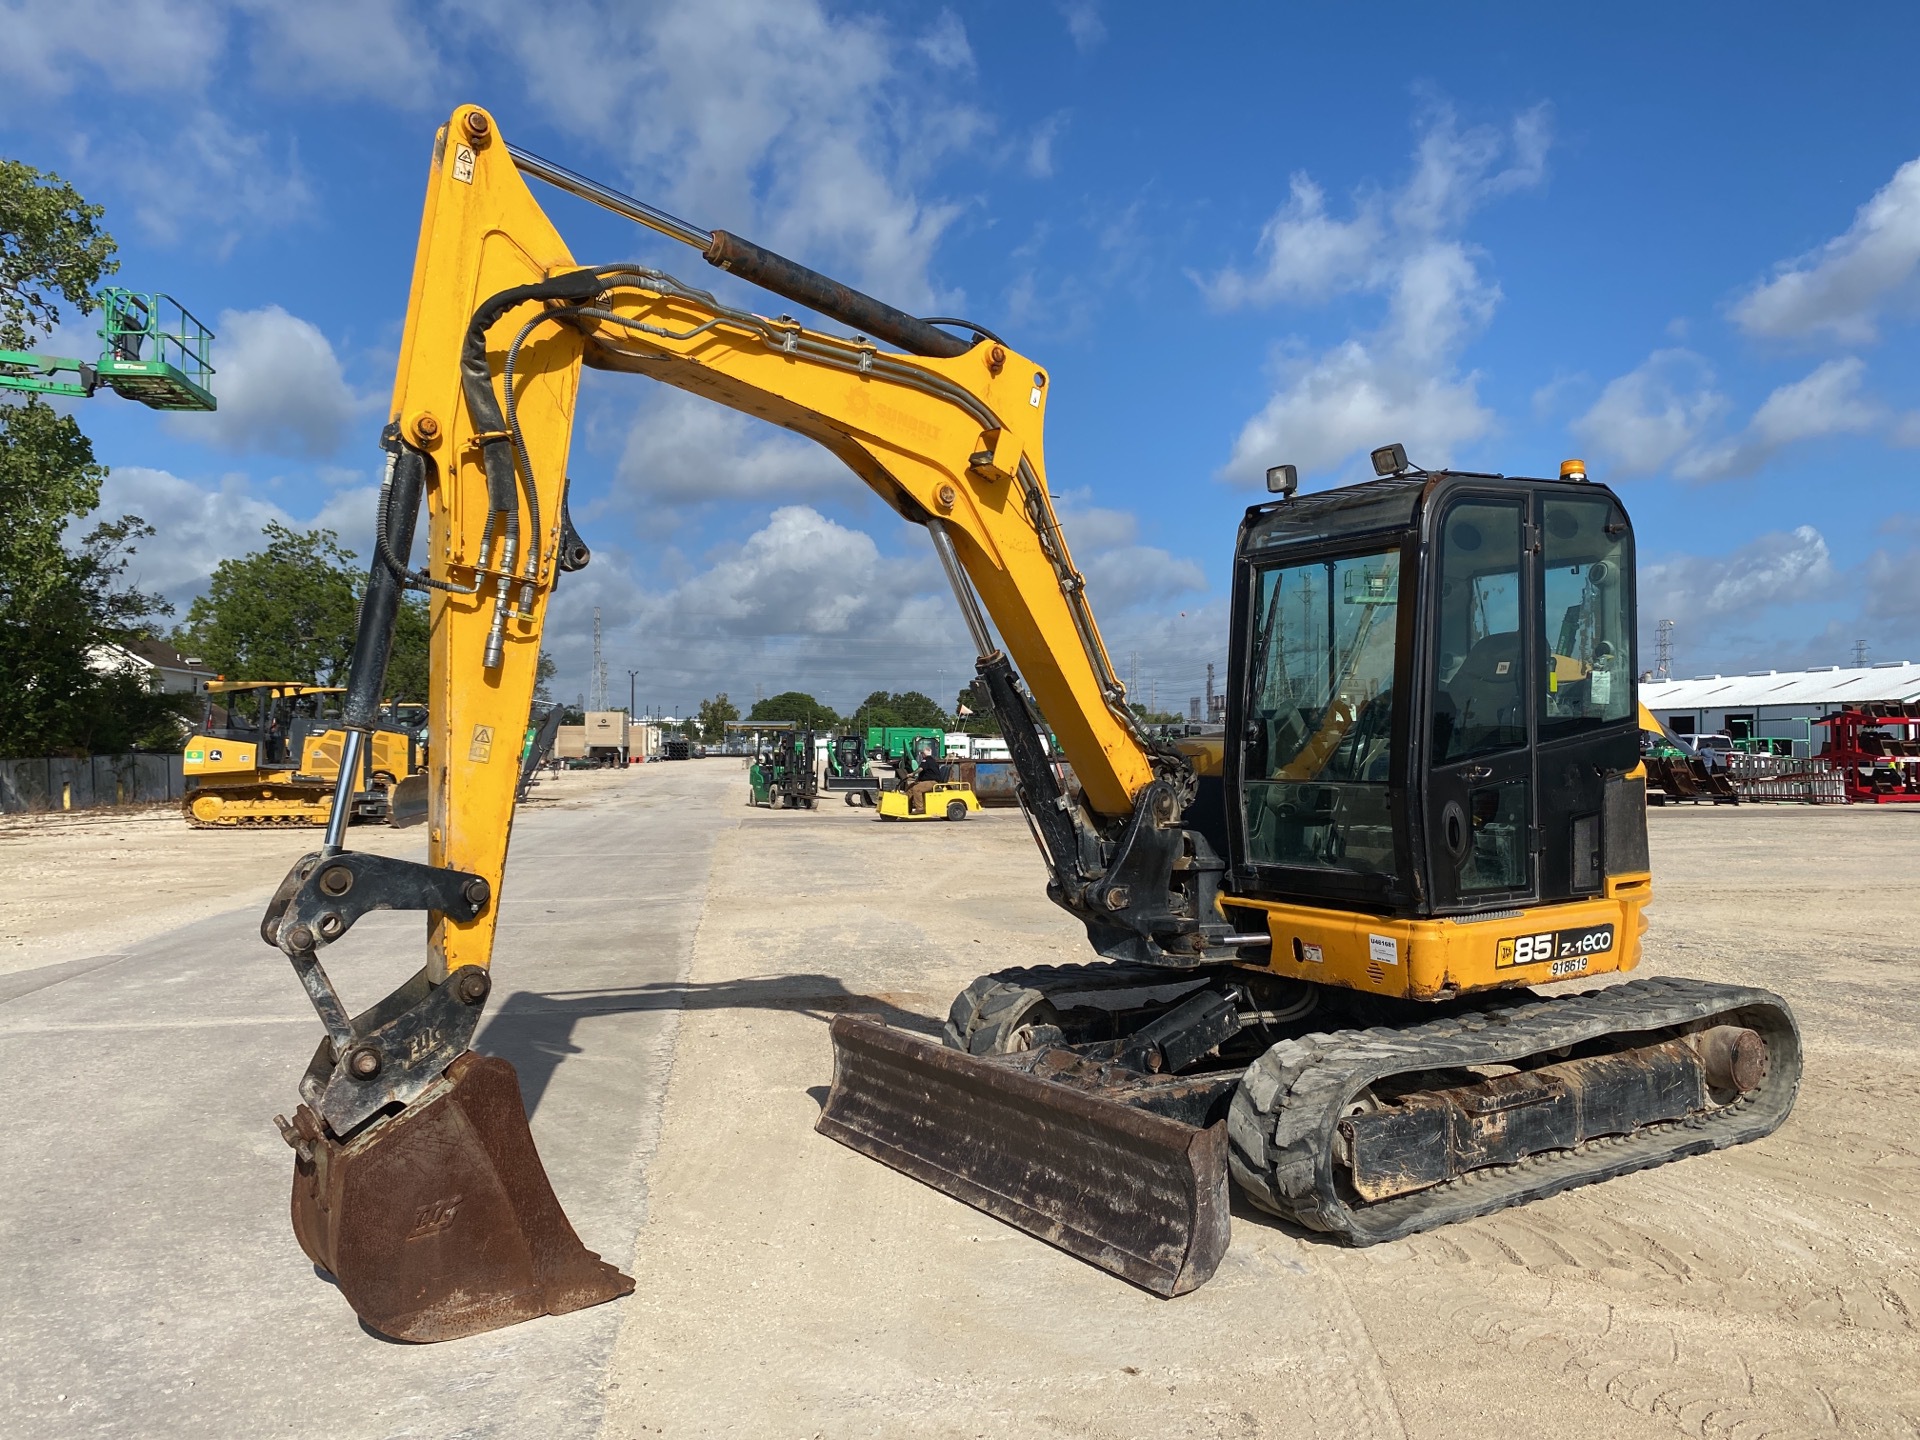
column 1777, row 704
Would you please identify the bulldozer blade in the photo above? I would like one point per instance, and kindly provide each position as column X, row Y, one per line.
column 407, row 802
column 440, row 1221
column 1135, row 1193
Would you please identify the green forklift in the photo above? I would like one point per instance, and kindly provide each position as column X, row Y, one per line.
column 782, row 775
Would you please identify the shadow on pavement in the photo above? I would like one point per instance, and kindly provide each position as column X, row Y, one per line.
column 533, row 1029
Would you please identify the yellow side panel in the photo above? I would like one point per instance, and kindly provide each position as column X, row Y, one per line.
column 1437, row 959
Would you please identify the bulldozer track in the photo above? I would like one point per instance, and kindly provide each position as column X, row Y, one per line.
column 250, row 806
column 1281, row 1125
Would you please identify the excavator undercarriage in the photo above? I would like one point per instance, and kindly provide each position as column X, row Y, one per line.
column 1320, row 934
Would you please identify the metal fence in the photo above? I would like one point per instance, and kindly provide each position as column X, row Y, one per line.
column 52, row 783
column 1792, row 778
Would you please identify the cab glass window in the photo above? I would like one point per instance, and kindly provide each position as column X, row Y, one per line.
column 1480, row 698
column 1320, row 714
column 1587, row 677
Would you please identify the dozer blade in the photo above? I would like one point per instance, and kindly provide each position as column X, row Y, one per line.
column 1134, row 1193
column 407, row 802
column 439, row 1221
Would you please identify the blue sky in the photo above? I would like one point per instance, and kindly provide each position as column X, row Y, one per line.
column 1679, row 242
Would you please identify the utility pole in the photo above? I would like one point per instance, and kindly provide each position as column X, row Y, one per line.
column 1133, row 673
column 632, row 675
column 599, row 666
column 1663, row 651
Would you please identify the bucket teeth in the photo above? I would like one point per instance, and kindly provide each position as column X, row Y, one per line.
column 440, row 1222
column 1137, row 1194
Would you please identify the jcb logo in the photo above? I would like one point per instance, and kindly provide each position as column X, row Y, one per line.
column 432, row 1219
column 1525, row 950
column 421, row 1045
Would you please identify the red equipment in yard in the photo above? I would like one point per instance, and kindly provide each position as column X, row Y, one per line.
column 1877, row 749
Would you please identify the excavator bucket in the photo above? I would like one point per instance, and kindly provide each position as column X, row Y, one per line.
column 1135, row 1193
column 407, row 802
column 439, row 1222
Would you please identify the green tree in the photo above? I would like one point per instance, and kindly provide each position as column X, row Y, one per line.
column 60, row 690
column 714, row 715
column 61, row 609
column 981, row 720
column 290, row 611
column 1154, row 717
column 797, row 706
column 908, row 707
column 51, row 245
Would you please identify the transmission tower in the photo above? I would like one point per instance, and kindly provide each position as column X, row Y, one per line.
column 1860, row 654
column 1663, row 651
column 1133, row 673
column 599, row 666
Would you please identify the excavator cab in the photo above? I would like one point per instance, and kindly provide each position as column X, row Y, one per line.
column 1433, row 713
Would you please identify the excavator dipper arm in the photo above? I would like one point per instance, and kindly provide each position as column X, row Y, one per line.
column 414, row 1156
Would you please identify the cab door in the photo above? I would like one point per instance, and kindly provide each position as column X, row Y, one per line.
column 1481, row 801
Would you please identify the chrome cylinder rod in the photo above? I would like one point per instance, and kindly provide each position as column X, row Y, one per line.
column 343, row 791
column 962, row 588
column 595, row 193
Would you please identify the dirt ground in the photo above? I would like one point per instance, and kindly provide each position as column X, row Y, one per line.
column 789, row 1287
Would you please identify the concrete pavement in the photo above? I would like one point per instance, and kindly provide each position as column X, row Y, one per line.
column 152, row 1283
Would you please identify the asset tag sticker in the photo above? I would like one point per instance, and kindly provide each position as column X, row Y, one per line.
column 196, row 756
column 1567, row 950
column 1383, row 949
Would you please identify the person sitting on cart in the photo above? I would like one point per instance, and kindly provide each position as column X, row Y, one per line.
column 932, row 773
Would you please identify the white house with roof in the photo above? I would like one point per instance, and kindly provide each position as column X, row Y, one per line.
column 1777, row 703
column 159, row 666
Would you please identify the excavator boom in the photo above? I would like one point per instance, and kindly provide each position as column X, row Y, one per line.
column 500, row 321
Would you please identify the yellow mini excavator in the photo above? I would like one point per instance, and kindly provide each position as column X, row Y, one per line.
column 268, row 753
column 1318, row 945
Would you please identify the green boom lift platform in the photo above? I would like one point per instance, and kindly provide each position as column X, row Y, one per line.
column 155, row 352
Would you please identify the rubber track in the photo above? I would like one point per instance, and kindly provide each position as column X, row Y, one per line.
column 991, row 1002
column 1281, row 1124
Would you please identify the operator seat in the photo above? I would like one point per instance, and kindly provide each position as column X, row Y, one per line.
column 1489, row 699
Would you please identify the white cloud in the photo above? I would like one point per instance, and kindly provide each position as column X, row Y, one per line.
column 202, row 180
column 1838, row 290
column 1651, row 416
column 1084, row 25
column 373, row 49
column 1121, row 573
column 808, row 132
column 150, row 47
column 803, row 603
column 1781, row 568
column 198, row 527
column 1826, row 402
column 1402, row 381
column 280, row 387
column 683, row 449
column 1658, row 417
column 1039, row 153
column 946, row 44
